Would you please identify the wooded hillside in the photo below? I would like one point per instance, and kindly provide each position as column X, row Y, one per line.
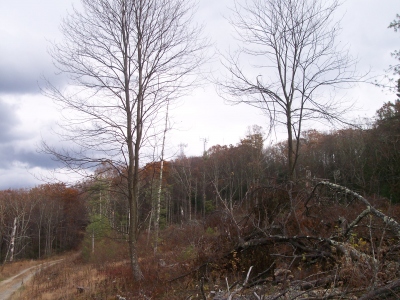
column 335, row 225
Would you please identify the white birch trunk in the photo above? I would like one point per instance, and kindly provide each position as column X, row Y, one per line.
column 12, row 242
column 158, row 204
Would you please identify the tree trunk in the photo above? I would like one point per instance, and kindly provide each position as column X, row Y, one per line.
column 290, row 146
column 133, row 146
column 158, row 205
column 12, row 241
column 204, row 194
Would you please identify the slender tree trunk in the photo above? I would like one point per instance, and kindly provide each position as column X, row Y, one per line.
column 93, row 240
column 189, row 198
column 39, row 239
column 290, row 145
column 150, row 218
column 158, row 208
column 204, row 194
column 231, row 193
column 12, row 240
column 195, row 200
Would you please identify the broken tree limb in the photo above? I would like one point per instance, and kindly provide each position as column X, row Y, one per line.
column 241, row 286
column 309, row 285
column 271, row 239
column 227, row 210
column 350, row 253
column 390, row 222
column 356, row 221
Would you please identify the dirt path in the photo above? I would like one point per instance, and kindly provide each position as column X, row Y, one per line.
column 12, row 284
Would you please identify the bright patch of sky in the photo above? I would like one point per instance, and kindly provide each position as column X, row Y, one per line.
column 27, row 117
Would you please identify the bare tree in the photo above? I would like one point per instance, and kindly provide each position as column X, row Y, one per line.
column 125, row 60
column 395, row 24
column 294, row 61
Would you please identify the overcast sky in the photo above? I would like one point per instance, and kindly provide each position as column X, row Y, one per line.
column 26, row 117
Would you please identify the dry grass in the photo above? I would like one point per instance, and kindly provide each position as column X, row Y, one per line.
column 60, row 281
column 105, row 275
column 199, row 254
column 191, row 256
column 10, row 269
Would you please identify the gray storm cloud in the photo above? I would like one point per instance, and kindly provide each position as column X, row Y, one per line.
column 16, row 145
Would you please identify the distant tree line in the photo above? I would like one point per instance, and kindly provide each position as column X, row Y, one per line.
column 53, row 217
column 366, row 160
column 39, row 222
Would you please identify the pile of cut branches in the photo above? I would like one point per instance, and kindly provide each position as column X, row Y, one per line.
column 325, row 243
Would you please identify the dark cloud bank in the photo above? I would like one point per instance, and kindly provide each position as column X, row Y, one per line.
column 17, row 147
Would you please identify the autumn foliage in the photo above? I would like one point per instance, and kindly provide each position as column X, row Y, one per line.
column 48, row 219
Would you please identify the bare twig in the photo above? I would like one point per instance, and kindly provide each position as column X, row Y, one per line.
column 238, row 289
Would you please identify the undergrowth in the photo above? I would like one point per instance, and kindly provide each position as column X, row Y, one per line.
column 302, row 250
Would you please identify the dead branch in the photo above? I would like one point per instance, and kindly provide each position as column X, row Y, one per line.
column 356, row 221
column 238, row 289
column 258, row 278
column 227, row 210
column 390, row 222
column 352, row 254
column 392, row 289
column 294, row 241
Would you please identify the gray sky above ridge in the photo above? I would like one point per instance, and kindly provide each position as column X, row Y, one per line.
column 27, row 27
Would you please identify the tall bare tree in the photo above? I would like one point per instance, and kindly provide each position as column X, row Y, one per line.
column 125, row 60
column 294, row 61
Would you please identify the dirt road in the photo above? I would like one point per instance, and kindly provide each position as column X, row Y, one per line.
column 11, row 285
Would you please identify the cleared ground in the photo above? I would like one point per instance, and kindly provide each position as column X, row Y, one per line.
column 9, row 286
